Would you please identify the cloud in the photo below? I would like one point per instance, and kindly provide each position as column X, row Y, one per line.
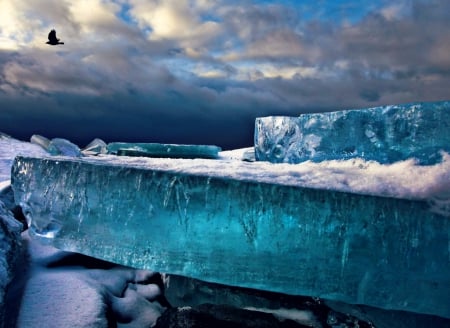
column 199, row 61
column 178, row 20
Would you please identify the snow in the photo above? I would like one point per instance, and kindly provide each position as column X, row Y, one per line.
column 72, row 290
column 10, row 148
column 404, row 179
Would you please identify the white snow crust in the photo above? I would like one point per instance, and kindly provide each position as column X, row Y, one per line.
column 403, row 179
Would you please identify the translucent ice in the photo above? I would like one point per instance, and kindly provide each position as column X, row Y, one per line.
column 384, row 134
column 163, row 150
column 56, row 146
column 95, row 147
column 258, row 225
column 60, row 146
column 40, row 141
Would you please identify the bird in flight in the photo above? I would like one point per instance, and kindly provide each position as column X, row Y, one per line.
column 52, row 39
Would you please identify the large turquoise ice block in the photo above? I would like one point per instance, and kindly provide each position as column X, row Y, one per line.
column 385, row 134
column 189, row 217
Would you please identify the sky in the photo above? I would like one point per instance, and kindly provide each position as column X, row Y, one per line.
column 200, row 72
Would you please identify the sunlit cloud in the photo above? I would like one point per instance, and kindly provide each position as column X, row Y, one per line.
column 175, row 20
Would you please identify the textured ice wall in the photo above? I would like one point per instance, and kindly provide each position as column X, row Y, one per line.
column 384, row 134
column 385, row 252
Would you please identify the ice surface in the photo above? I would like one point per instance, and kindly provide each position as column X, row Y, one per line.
column 163, row 150
column 259, row 225
column 385, row 134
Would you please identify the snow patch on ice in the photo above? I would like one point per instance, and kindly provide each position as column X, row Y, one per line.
column 404, row 179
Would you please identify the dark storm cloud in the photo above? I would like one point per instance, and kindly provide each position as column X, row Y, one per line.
column 169, row 119
column 217, row 67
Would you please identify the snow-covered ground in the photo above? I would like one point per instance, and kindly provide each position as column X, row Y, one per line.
column 63, row 289
column 10, row 148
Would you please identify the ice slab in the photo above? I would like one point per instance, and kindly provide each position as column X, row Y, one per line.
column 163, row 150
column 246, row 224
column 385, row 134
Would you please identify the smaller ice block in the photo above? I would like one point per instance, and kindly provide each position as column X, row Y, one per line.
column 95, row 147
column 56, row 146
column 163, row 150
column 40, row 141
column 59, row 146
column 385, row 134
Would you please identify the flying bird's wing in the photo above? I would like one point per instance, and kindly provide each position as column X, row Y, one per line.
column 52, row 36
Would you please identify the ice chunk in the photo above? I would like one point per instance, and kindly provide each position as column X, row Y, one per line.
column 59, row 146
column 384, row 134
column 56, row 146
column 40, row 141
column 95, row 147
column 242, row 154
column 195, row 218
column 163, row 150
